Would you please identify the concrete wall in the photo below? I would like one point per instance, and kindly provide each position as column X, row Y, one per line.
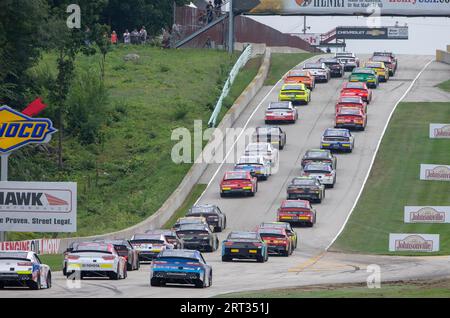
column 160, row 217
column 443, row 56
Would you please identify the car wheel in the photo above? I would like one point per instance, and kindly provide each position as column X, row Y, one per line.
column 319, row 200
column 260, row 259
column 226, row 258
column 2, row 285
column 129, row 266
column 222, row 195
column 114, row 275
column 49, row 280
column 210, row 279
column 200, row 284
column 125, row 273
column 156, row 282
column 252, row 194
column 35, row 285
column 217, row 229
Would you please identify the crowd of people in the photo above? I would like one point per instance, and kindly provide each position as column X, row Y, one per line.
column 135, row 37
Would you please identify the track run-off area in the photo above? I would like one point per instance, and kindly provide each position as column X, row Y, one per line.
column 311, row 263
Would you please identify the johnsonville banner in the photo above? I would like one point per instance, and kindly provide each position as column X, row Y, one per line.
column 440, row 131
column 344, row 7
column 413, row 242
column 434, row 172
column 427, row 214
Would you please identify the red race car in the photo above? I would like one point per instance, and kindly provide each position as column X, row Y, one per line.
column 353, row 101
column 360, row 89
column 297, row 211
column 277, row 240
column 238, row 183
column 351, row 118
column 283, row 112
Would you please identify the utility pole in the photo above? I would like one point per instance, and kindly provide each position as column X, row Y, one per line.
column 304, row 24
column 231, row 28
column 4, row 177
column 174, row 12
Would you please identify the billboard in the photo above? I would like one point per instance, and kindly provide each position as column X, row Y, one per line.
column 369, row 33
column 440, row 131
column 38, row 206
column 413, row 242
column 434, row 172
column 39, row 246
column 427, row 214
column 311, row 38
column 345, row 7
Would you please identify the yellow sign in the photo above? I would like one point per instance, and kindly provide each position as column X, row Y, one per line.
column 18, row 130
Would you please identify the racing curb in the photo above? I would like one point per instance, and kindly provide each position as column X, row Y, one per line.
column 177, row 198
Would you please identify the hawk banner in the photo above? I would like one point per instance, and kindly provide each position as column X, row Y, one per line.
column 344, row 7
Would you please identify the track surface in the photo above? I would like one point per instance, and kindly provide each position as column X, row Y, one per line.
column 309, row 264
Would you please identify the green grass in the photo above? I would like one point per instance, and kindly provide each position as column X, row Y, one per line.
column 445, row 86
column 394, row 183
column 128, row 176
column 283, row 62
column 416, row 289
column 54, row 261
column 190, row 200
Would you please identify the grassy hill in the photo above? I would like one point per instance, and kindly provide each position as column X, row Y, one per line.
column 128, row 174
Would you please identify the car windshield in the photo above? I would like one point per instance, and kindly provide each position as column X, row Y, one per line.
column 243, row 236
column 93, row 247
column 317, row 154
column 201, row 208
column 313, row 66
column 192, row 227
column 336, row 133
column 187, row 254
column 263, row 131
column 317, row 168
column 297, row 74
column 362, row 71
column 374, row 65
column 236, row 175
column 355, row 85
column 281, row 105
column 350, row 100
column 193, row 220
column 295, row 204
column 271, row 233
column 304, row 182
column 250, row 160
column 348, row 111
column 293, row 88
column 257, row 147
column 13, row 255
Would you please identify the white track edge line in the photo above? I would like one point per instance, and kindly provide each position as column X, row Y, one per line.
column 245, row 127
column 376, row 152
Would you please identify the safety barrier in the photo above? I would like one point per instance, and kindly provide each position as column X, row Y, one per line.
column 443, row 56
column 242, row 60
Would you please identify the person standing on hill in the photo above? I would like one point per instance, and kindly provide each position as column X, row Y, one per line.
column 126, row 37
column 218, row 7
column 209, row 11
column 114, row 38
column 143, row 35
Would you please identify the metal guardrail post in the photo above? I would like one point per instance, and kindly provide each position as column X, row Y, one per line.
column 231, row 28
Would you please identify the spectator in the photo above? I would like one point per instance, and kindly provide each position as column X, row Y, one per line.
column 135, row 37
column 143, row 35
column 328, row 50
column 218, row 7
column 209, row 12
column 202, row 17
column 166, row 39
column 114, row 38
column 87, row 36
column 126, row 37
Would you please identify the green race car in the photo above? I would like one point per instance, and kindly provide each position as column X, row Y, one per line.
column 366, row 75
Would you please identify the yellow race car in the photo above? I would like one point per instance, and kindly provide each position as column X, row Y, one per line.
column 380, row 68
column 295, row 93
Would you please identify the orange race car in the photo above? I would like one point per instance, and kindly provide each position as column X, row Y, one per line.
column 299, row 76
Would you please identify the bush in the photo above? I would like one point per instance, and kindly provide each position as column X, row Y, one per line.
column 87, row 107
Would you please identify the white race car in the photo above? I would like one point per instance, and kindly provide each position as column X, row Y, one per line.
column 264, row 149
column 150, row 245
column 23, row 268
column 257, row 165
column 92, row 259
column 324, row 172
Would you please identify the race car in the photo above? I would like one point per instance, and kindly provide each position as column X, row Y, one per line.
column 284, row 225
column 180, row 267
column 349, row 60
column 69, row 249
column 256, row 165
column 244, row 245
column 306, row 188
column 170, row 235
column 337, row 139
column 277, row 240
column 263, row 148
column 394, row 60
column 336, row 67
column 270, row 134
column 214, row 216
column 319, row 156
column 238, row 183
column 295, row 93
column 92, row 259
column 126, row 250
column 150, row 245
column 299, row 76
column 320, row 71
column 282, row 112
column 189, row 220
column 365, row 75
column 360, row 89
column 380, row 69
column 390, row 63
column 352, row 101
column 297, row 212
column 324, row 172
column 23, row 269
column 198, row 237
column 351, row 118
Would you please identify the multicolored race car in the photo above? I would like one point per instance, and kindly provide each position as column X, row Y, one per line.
column 337, row 139
column 238, row 183
column 365, row 75
column 150, row 245
column 380, row 69
column 351, row 101
column 295, row 93
column 270, row 134
column 216, row 219
column 281, row 112
column 299, row 76
column 277, row 240
column 360, row 89
column 319, row 156
column 180, row 267
column 298, row 212
column 23, row 269
column 306, row 188
column 324, row 172
column 283, row 225
column 351, row 118
column 244, row 245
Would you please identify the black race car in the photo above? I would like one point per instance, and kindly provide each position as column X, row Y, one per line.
column 335, row 66
column 244, row 245
column 213, row 215
column 271, row 134
column 306, row 188
column 319, row 155
column 198, row 237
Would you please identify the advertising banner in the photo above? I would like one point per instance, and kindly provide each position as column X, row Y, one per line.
column 40, row 246
column 311, row 38
column 434, row 172
column 440, row 131
column 427, row 214
column 345, row 7
column 413, row 242
column 369, row 33
column 38, row 206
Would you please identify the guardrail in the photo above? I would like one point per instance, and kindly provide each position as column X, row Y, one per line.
column 443, row 56
column 242, row 60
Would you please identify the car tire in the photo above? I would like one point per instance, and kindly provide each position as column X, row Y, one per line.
column 129, row 267
column 35, row 285
column 222, row 195
column 210, row 279
column 260, row 259
column 310, row 224
column 217, row 229
column 319, row 200
column 252, row 194
column 226, row 258
column 200, row 284
column 2, row 285
column 155, row 282
column 49, row 280
column 114, row 276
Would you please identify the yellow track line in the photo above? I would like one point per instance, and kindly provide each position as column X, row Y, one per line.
column 309, row 262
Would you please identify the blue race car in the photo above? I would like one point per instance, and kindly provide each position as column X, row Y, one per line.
column 339, row 139
column 244, row 245
column 256, row 165
column 180, row 267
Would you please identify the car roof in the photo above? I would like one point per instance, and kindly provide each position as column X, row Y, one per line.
column 280, row 104
column 301, row 203
column 338, row 132
column 192, row 226
column 180, row 253
column 296, row 86
column 202, row 208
